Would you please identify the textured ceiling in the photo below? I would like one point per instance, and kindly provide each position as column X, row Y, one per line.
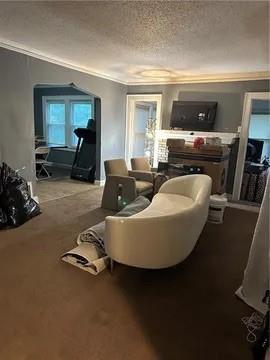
column 122, row 40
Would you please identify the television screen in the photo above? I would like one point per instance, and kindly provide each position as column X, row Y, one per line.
column 193, row 115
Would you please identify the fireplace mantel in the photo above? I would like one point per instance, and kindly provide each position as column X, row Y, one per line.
column 161, row 136
column 181, row 134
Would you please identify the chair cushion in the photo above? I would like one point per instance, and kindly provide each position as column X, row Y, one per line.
column 166, row 204
column 140, row 163
column 142, row 186
column 116, row 167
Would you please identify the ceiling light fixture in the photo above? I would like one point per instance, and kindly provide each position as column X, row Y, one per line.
column 156, row 73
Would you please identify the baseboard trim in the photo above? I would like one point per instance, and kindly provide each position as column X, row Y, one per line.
column 100, row 182
column 252, row 208
column 66, row 166
column 30, row 186
column 59, row 165
column 36, row 199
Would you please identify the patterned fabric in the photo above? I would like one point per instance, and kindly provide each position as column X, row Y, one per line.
column 261, row 183
column 251, row 187
column 244, row 187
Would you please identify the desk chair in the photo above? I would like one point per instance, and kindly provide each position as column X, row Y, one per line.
column 41, row 155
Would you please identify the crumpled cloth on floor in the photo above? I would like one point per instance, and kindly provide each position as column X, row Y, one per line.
column 90, row 254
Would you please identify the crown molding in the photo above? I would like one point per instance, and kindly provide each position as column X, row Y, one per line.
column 13, row 46
column 247, row 76
column 259, row 75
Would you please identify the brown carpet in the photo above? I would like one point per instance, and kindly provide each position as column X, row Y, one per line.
column 50, row 310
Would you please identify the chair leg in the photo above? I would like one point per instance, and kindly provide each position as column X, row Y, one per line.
column 46, row 171
column 42, row 168
column 38, row 173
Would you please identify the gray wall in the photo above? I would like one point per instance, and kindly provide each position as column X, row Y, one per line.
column 229, row 95
column 16, row 112
column 19, row 74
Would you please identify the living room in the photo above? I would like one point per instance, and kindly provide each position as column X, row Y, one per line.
column 136, row 63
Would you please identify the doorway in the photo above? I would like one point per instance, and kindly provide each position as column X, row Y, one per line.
column 62, row 157
column 143, row 118
column 254, row 149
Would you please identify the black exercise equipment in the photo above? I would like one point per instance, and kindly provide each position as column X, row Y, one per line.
column 84, row 164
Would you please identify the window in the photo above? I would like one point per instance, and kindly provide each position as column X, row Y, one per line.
column 81, row 112
column 56, row 122
column 64, row 114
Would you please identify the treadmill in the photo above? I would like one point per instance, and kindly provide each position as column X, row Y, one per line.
column 84, row 164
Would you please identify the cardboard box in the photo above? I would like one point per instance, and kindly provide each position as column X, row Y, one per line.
column 176, row 143
column 214, row 166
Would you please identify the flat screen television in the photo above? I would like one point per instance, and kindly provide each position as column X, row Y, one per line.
column 193, row 115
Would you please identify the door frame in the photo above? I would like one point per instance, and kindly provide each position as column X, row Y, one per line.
column 130, row 113
column 247, row 109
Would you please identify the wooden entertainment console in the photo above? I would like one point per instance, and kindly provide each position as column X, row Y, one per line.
column 214, row 160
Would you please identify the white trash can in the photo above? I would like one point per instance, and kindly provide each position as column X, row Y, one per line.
column 217, row 206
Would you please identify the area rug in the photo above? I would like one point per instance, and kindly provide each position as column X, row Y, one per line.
column 52, row 189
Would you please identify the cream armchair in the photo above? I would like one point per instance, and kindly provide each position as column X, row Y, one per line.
column 123, row 186
column 142, row 164
column 165, row 233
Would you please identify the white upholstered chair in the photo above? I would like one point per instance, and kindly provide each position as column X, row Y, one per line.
column 165, row 233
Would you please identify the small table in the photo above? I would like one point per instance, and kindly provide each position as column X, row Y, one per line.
column 168, row 171
column 163, row 176
column 158, row 181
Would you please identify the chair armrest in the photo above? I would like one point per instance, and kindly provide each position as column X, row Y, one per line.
column 111, row 191
column 197, row 187
column 127, row 243
column 128, row 184
column 142, row 175
column 121, row 179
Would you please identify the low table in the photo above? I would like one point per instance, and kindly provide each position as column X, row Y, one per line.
column 168, row 171
column 158, row 181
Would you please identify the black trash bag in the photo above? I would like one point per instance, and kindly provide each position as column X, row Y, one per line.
column 3, row 216
column 3, row 219
column 15, row 198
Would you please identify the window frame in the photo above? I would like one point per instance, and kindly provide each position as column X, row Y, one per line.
column 67, row 100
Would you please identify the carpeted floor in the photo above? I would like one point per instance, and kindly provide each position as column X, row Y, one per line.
column 50, row 310
column 57, row 188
